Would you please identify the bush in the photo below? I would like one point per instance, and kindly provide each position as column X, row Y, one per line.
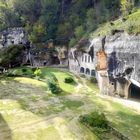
column 55, row 89
column 24, row 70
column 95, row 120
column 33, row 69
column 11, row 56
column 14, row 73
column 69, row 80
column 37, row 72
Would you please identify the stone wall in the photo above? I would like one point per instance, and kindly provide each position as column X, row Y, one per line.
column 12, row 36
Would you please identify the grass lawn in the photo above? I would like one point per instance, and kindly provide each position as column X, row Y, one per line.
column 29, row 111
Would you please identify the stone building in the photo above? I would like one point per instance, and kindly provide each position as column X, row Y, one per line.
column 82, row 62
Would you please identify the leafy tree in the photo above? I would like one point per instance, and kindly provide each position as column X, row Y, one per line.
column 79, row 31
column 126, row 6
column 72, row 42
column 64, row 32
column 38, row 32
column 11, row 56
column 91, row 18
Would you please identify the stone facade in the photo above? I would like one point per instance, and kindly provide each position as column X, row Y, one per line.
column 123, row 69
column 116, row 64
column 82, row 62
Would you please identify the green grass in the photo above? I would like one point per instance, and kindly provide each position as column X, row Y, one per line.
column 72, row 104
column 122, row 118
column 47, row 74
column 29, row 111
column 60, row 76
column 131, row 25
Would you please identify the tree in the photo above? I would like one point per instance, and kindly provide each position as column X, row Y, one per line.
column 38, row 32
column 79, row 32
column 126, row 6
column 91, row 19
column 64, row 32
column 12, row 55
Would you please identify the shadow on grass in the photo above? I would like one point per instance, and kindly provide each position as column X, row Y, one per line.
column 5, row 131
column 31, row 97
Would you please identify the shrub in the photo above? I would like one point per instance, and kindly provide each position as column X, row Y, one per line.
column 33, row 69
column 11, row 56
column 55, row 89
column 24, row 70
column 69, row 80
column 95, row 120
column 14, row 73
column 37, row 72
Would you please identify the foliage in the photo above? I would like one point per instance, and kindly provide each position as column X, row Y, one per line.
column 91, row 18
column 131, row 25
column 11, row 56
column 24, row 70
column 54, row 87
column 95, row 119
column 37, row 72
column 72, row 42
column 38, row 32
column 33, row 70
column 97, row 122
column 79, row 32
column 126, row 7
column 64, row 21
column 69, row 80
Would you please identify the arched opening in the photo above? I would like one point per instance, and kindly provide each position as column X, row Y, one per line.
column 82, row 70
column 88, row 71
column 134, row 91
column 93, row 73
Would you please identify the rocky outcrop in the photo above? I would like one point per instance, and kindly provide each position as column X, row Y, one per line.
column 12, row 36
column 63, row 55
column 113, row 60
column 122, row 57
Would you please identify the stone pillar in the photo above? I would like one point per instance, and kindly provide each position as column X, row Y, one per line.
column 103, row 82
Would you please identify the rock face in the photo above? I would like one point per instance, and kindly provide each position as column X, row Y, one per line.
column 36, row 55
column 12, row 36
column 63, row 55
column 116, row 63
column 122, row 58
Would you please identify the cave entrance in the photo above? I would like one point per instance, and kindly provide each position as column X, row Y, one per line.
column 134, row 91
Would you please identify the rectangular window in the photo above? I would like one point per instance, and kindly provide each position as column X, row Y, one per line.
column 88, row 59
column 85, row 58
column 82, row 58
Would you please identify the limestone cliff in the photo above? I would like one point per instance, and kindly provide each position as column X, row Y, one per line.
column 123, row 58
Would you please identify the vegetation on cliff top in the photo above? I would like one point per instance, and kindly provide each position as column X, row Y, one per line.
column 130, row 24
column 64, row 21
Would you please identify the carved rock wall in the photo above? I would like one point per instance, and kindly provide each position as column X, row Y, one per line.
column 123, row 62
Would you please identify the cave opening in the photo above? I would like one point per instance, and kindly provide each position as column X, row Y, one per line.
column 134, row 91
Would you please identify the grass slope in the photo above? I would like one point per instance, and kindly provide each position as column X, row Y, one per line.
column 29, row 111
